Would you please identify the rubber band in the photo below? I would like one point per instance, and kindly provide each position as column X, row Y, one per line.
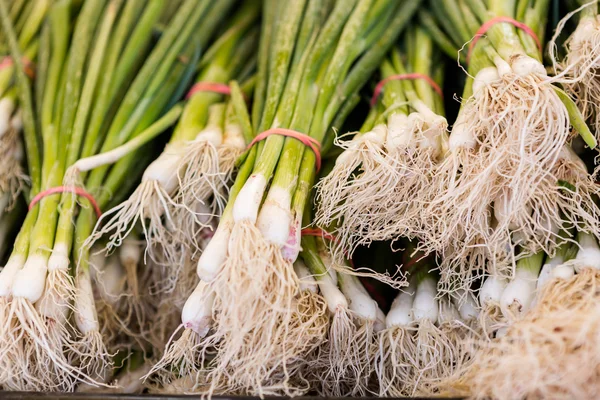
column 209, row 87
column 67, row 189
column 414, row 260
column 308, row 141
column 318, row 232
column 7, row 61
column 486, row 26
column 401, row 77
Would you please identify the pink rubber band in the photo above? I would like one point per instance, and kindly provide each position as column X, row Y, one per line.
column 486, row 26
column 8, row 61
column 209, row 87
column 67, row 189
column 311, row 142
column 318, row 233
column 402, row 77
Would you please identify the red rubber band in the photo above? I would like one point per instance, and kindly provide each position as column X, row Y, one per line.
column 311, row 142
column 209, row 87
column 402, row 77
column 8, row 61
column 486, row 26
column 318, row 232
column 67, row 189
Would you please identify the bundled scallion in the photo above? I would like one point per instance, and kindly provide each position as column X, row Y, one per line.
column 546, row 347
column 380, row 183
column 510, row 177
column 313, row 57
column 103, row 81
column 27, row 17
column 426, row 338
column 578, row 70
column 188, row 181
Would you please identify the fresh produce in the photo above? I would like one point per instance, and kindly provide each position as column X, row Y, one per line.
column 301, row 197
column 510, row 178
column 52, row 334
column 396, row 153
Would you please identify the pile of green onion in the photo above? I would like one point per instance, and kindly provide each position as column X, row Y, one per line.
column 301, row 197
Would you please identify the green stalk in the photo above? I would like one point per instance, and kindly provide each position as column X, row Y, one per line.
column 21, row 244
column 536, row 19
column 78, row 55
column 148, row 82
column 118, row 171
column 43, row 63
column 43, row 235
column 16, row 8
column 337, row 124
column 532, row 263
column 504, row 36
column 241, row 111
column 453, row 11
column 279, row 64
column 442, row 40
column 220, row 70
column 121, row 61
column 34, row 22
column 7, row 73
column 279, row 67
column 91, row 81
column 442, row 15
column 143, row 138
column 266, row 35
column 338, row 68
column 369, row 61
column 242, row 20
column 24, row 88
column 577, row 119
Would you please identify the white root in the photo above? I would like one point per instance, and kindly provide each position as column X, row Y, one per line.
column 185, row 356
column 579, row 70
column 382, row 181
column 559, row 333
column 93, row 357
column 259, row 324
column 151, row 204
column 519, row 293
column 494, row 147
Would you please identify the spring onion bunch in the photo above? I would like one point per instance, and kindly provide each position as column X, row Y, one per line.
column 510, row 178
column 579, row 67
column 375, row 190
column 81, row 112
column 426, row 336
column 537, row 353
column 341, row 366
column 192, row 174
column 27, row 17
column 313, row 57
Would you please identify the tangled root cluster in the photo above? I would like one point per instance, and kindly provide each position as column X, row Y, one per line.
column 550, row 353
column 579, row 71
column 506, row 187
column 377, row 189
